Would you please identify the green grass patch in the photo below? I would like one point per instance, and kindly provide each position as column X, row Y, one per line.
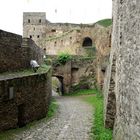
column 99, row 132
column 10, row 134
column 83, row 92
column 52, row 109
column 105, row 22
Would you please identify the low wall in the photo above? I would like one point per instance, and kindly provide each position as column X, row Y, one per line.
column 23, row 98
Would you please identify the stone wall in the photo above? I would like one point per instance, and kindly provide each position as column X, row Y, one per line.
column 23, row 98
column 16, row 53
column 59, row 37
column 126, row 49
column 24, row 95
column 110, row 99
column 56, row 38
column 72, row 41
column 103, row 46
column 76, row 74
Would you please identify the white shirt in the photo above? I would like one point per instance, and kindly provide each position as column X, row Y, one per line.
column 34, row 64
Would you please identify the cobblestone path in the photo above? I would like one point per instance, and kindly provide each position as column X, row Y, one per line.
column 72, row 122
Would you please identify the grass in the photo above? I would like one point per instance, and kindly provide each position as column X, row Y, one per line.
column 98, row 129
column 105, row 22
column 99, row 132
column 10, row 134
column 52, row 109
column 83, row 92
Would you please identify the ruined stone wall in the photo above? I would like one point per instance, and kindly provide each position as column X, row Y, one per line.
column 35, row 52
column 65, row 37
column 65, row 42
column 23, row 98
column 60, row 37
column 76, row 74
column 16, row 53
column 125, row 46
column 83, row 74
column 103, row 47
column 72, row 41
column 63, row 72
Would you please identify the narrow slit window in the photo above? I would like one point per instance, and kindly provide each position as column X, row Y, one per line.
column 29, row 21
column 11, row 93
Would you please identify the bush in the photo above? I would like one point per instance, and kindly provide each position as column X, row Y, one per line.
column 63, row 58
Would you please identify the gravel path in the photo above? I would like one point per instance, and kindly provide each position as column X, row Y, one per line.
column 72, row 122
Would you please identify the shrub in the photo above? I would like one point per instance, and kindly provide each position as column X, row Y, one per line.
column 63, row 58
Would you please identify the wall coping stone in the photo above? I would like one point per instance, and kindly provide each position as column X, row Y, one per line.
column 23, row 73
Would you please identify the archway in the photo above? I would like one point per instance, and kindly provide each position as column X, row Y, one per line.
column 87, row 42
column 57, row 85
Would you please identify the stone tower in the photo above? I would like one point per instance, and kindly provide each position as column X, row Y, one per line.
column 34, row 25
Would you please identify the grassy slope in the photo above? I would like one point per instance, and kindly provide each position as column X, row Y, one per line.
column 105, row 22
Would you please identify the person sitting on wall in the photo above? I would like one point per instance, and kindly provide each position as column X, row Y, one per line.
column 34, row 65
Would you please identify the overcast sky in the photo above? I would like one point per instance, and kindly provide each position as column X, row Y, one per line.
column 73, row 11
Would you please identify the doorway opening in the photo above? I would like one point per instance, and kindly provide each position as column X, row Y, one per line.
column 21, row 111
column 57, row 86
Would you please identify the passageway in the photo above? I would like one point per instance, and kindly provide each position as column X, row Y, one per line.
column 57, row 86
column 73, row 121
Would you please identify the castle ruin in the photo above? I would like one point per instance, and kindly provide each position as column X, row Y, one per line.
column 85, row 40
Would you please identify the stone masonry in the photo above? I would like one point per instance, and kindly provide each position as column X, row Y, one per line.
column 75, row 74
column 75, row 39
column 24, row 95
column 16, row 53
column 64, row 37
column 126, row 49
column 23, row 98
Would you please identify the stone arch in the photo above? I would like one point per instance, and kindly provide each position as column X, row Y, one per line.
column 60, row 78
column 87, row 42
column 111, row 100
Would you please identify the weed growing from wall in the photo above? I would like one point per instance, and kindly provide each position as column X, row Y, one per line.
column 62, row 59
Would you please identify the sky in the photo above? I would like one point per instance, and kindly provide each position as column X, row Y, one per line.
column 70, row 11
